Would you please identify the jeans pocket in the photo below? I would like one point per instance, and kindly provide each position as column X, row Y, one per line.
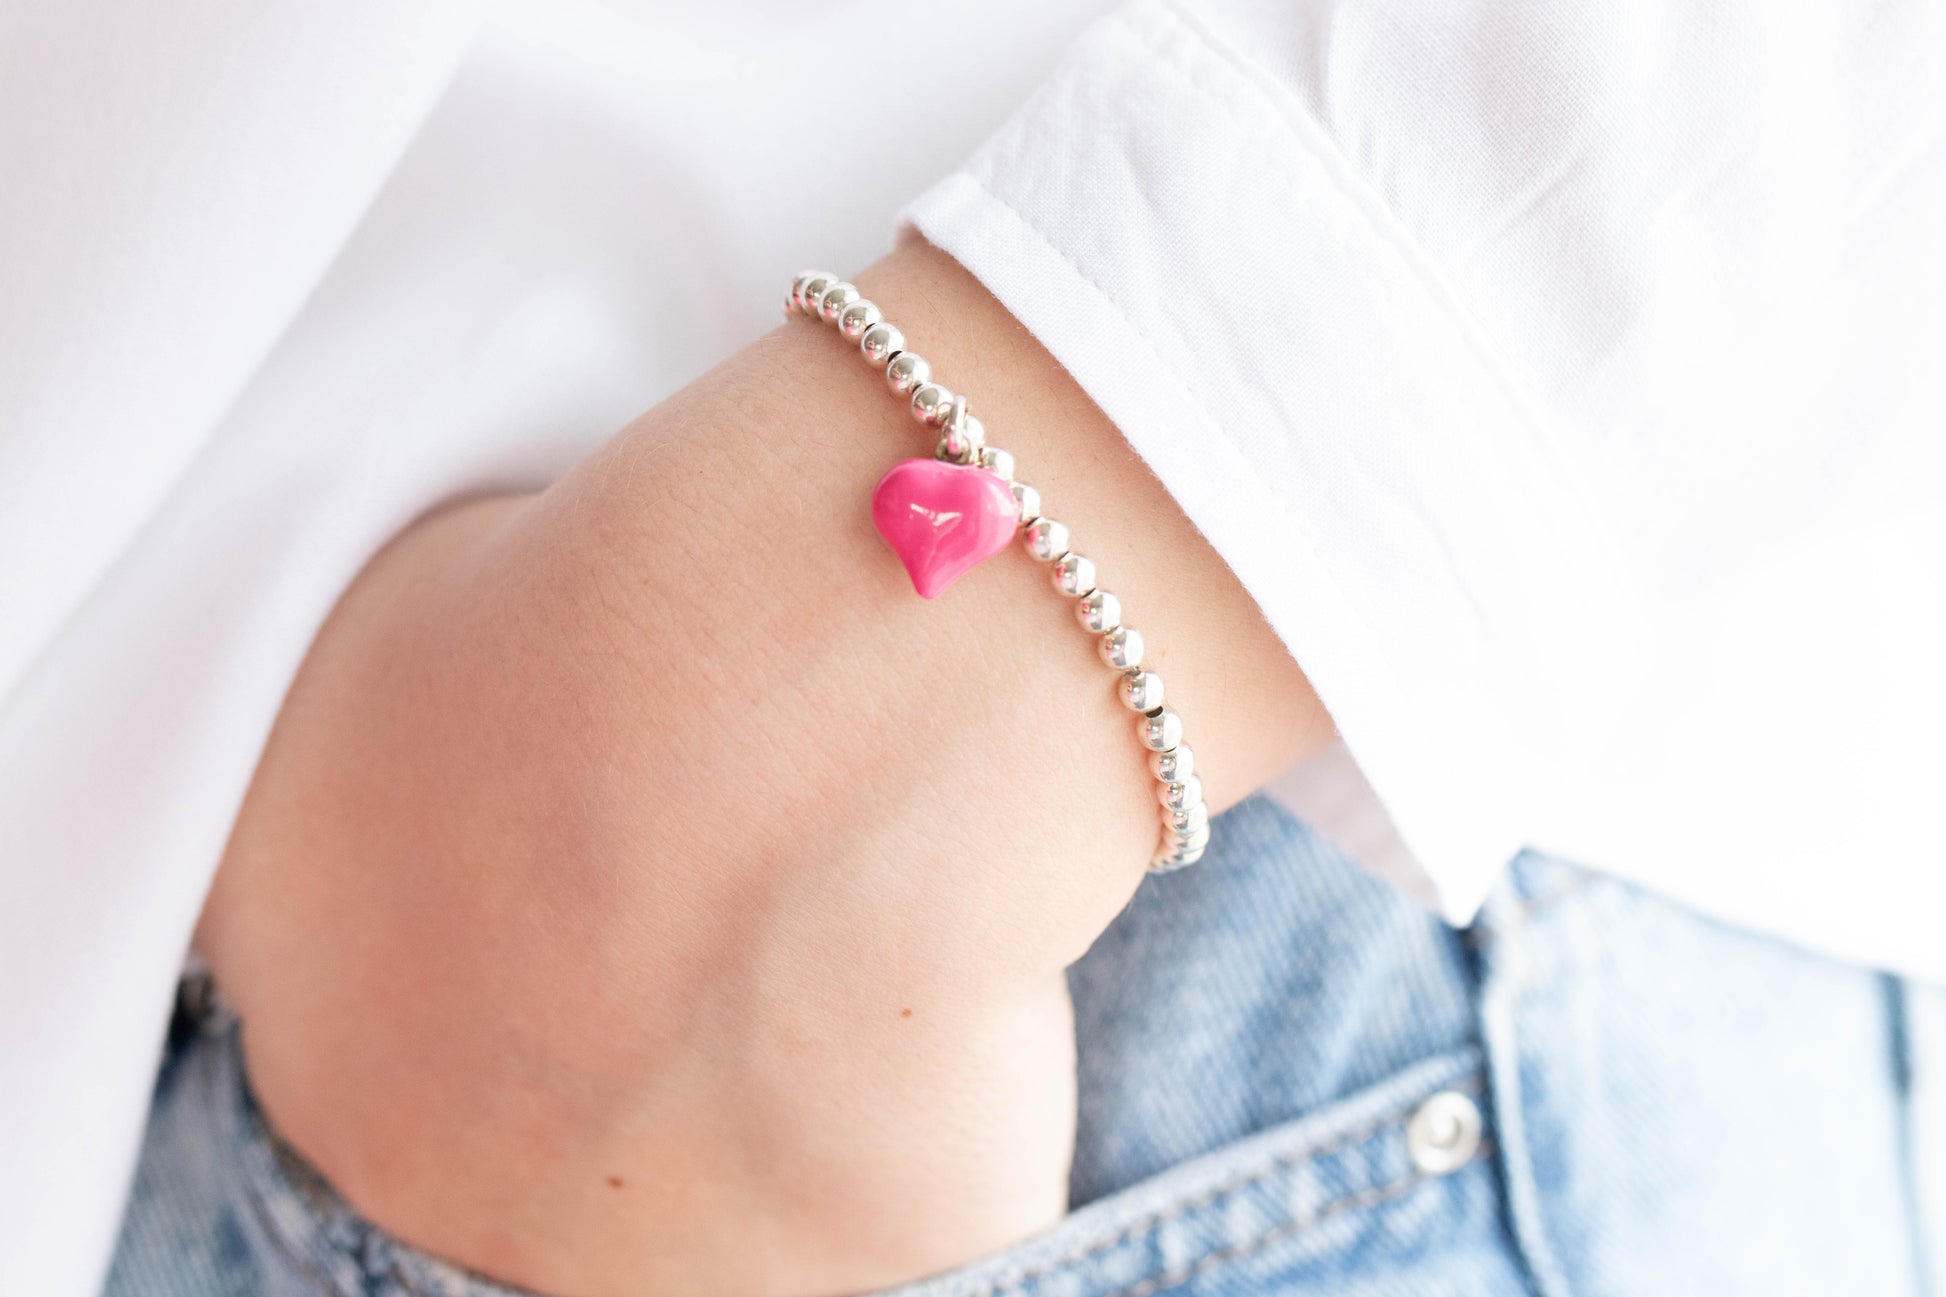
column 1388, row 1191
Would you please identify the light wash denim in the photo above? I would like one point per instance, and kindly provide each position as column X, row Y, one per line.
column 1668, row 1107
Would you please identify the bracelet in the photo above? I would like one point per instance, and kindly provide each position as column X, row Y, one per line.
column 944, row 515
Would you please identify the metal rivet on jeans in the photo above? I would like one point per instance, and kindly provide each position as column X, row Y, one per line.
column 1444, row 1134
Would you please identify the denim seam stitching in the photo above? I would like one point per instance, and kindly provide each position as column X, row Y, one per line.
column 1150, row 1223
column 1291, row 1228
column 1504, row 984
column 1277, row 1234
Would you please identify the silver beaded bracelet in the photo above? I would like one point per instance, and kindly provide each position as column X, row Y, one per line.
column 944, row 515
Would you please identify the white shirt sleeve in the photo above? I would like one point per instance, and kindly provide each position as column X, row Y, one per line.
column 1564, row 384
column 174, row 181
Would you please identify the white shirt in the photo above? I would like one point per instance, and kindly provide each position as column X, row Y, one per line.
column 1564, row 382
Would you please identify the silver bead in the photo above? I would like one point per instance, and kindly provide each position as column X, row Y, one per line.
column 813, row 286
column 1099, row 612
column 1159, row 732
column 1029, row 501
column 1121, row 648
column 1141, row 691
column 1174, row 766
column 1047, row 539
column 1180, row 796
column 1184, row 823
column 1188, row 842
column 794, row 299
column 1173, row 858
column 996, row 461
column 907, row 371
column 835, row 299
column 1189, row 826
column 858, row 317
column 929, row 403
column 1074, row 574
column 1181, row 848
column 879, row 343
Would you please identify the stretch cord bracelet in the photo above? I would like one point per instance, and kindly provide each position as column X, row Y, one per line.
column 944, row 515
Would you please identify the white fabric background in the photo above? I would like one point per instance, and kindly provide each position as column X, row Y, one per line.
column 1565, row 383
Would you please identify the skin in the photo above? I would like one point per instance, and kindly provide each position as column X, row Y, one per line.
column 643, row 891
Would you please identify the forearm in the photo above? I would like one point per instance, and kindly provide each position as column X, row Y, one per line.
column 674, row 859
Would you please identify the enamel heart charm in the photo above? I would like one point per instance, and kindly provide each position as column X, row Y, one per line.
column 942, row 518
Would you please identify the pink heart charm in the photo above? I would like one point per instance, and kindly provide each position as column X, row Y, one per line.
column 942, row 518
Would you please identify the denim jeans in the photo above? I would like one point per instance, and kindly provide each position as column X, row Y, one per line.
column 1293, row 1080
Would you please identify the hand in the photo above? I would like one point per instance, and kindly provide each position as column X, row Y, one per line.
column 644, row 891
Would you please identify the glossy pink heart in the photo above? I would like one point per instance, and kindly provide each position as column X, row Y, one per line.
column 941, row 519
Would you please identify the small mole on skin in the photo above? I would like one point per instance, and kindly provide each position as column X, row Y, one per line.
column 614, row 1182
column 905, row 1013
